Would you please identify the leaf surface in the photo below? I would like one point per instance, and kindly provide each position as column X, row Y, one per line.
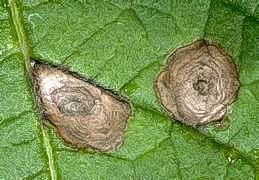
column 122, row 45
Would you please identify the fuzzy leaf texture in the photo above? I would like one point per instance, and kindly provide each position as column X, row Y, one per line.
column 122, row 45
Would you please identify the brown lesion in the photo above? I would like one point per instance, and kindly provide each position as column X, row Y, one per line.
column 82, row 113
column 198, row 82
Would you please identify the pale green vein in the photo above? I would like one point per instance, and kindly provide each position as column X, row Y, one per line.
column 207, row 20
column 19, row 28
column 49, row 152
column 17, row 20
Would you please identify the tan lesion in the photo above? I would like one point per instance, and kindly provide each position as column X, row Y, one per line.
column 98, row 122
column 197, row 83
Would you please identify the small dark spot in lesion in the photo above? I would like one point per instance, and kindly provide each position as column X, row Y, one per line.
column 202, row 86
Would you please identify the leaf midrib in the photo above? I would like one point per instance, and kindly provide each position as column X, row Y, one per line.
column 16, row 18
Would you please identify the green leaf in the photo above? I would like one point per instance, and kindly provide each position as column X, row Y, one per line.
column 122, row 45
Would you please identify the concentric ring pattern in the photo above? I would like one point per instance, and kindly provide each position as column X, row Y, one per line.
column 198, row 83
column 83, row 114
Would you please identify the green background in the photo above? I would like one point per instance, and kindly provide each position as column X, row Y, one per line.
column 122, row 45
